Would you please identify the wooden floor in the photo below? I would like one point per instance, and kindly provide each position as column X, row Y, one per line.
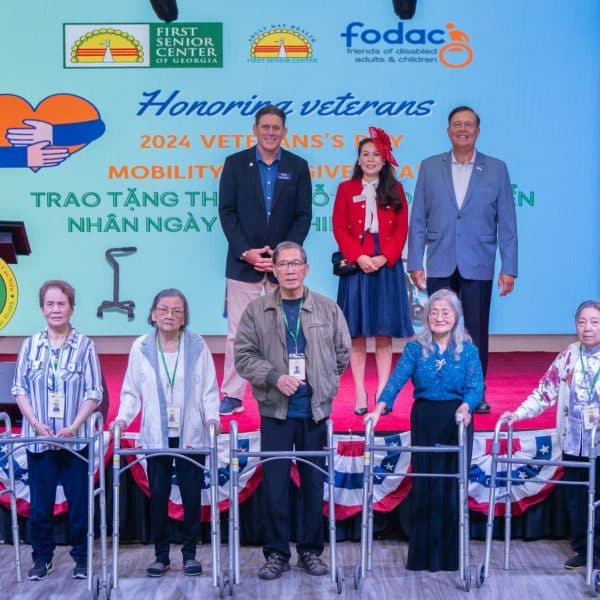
column 537, row 573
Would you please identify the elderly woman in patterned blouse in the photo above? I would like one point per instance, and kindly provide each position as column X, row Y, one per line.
column 57, row 385
column 446, row 373
column 572, row 381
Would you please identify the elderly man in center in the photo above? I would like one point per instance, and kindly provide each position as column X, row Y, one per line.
column 292, row 345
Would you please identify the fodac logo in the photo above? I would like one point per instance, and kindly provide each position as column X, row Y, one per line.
column 455, row 53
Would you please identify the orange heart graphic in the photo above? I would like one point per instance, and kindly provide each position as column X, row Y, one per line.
column 56, row 109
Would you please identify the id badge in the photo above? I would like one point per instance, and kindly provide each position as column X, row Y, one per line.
column 590, row 413
column 174, row 416
column 297, row 366
column 359, row 198
column 56, row 406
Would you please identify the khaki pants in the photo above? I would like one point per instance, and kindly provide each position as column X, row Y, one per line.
column 239, row 295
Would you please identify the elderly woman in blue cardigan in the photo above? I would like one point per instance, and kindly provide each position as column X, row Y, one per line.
column 446, row 374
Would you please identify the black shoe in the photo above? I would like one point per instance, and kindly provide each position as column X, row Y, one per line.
column 192, row 567
column 156, row 569
column 40, row 570
column 312, row 564
column 272, row 569
column 576, row 561
column 483, row 408
column 80, row 570
column 362, row 411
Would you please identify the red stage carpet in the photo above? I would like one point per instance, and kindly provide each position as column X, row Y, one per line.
column 511, row 377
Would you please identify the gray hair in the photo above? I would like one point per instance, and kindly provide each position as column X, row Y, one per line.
column 288, row 245
column 170, row 293
column 458, row 335
column 586, row 304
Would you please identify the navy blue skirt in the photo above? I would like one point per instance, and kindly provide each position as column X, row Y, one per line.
column 376, row 303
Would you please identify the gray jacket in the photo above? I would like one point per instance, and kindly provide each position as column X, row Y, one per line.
column 261, row 353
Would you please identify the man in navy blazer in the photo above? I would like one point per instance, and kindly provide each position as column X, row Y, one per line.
column 265, row 197
column 462, row 211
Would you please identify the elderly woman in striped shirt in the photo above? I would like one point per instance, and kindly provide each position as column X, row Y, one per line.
column 57, row 385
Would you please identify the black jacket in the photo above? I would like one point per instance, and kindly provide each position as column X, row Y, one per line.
column 242, row 208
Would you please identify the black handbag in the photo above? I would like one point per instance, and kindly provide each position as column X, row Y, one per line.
column 341, row 267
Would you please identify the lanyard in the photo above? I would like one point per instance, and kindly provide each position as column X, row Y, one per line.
column 584, row 372
column 170, row 377
column 293, row 334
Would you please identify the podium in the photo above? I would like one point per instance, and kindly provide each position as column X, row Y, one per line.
column 13, row 241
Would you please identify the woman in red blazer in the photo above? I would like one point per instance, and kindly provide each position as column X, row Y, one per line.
column 370, row 224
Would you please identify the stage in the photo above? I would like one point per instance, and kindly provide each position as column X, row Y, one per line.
column 511, row 377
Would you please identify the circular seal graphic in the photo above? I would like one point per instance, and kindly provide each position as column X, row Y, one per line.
column 8, row 294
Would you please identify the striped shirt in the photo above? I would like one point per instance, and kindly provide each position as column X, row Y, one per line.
column 77, row 377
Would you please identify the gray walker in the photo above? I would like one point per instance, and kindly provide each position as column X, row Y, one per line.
column 234, row 513
column 366, row 538
column 592, row 577
column 98, row 586
column 140, row 454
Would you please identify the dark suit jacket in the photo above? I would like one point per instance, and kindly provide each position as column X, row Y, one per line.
column 242, row 208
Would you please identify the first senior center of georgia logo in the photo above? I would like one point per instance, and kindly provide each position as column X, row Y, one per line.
column 8, row 294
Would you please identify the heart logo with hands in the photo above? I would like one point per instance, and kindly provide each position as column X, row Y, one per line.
column 44, row 136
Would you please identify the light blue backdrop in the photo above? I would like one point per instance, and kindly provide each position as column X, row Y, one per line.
column 533, row 77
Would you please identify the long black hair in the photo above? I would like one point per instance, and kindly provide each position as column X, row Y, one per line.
column 387, row 190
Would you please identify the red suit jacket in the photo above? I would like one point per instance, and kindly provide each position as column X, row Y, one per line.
column 349, row 223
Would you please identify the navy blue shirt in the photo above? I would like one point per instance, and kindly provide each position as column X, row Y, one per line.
column 268, row 175
column 299, row 403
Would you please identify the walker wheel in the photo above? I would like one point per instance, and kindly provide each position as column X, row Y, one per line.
column 356, row 576
column 480, row 576
column 339, row 579
column 95, row 587
column 467, row 580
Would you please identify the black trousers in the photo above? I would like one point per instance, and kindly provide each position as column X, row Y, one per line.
column 46, row 470
column 189, row 477
column 287, row 435
column 577, row 506
column 434, row 510
column 475, row 296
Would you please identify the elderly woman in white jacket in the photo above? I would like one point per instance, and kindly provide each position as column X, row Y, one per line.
column 572, row 382
column 171, row 378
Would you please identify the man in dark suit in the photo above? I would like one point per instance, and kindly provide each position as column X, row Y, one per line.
column 265, row 197
column 462, row 210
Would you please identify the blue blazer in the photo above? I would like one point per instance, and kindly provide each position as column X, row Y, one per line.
column 464, row 238
column 243, row 214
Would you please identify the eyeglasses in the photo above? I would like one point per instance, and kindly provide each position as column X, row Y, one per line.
column 460, row 124
column 163, row 311
column 445, row 315
column 295, row 265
